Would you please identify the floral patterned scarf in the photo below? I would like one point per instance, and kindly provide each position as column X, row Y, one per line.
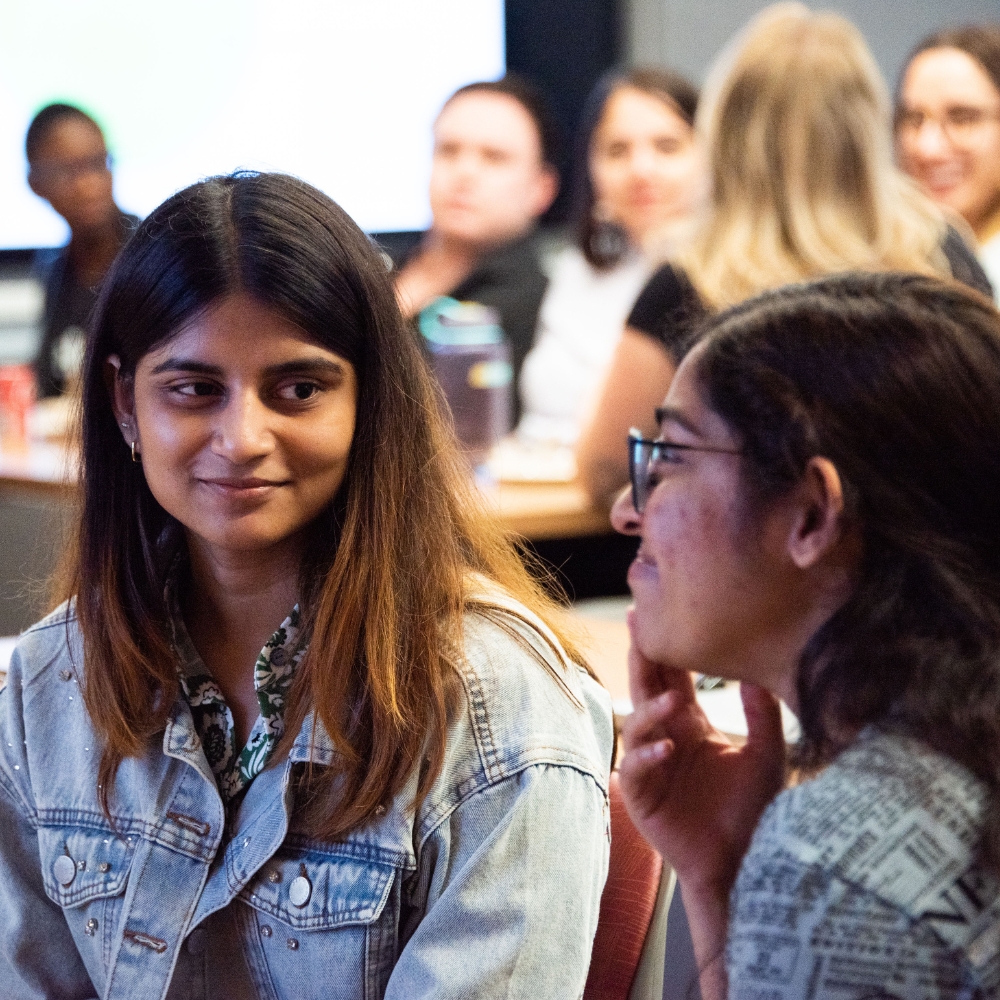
column 234, row 768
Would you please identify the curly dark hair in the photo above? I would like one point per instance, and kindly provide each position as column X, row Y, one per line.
column 896, row 380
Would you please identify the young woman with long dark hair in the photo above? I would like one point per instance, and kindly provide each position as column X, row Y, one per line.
column 304, row 727
column 819, row 520
column 639, row 177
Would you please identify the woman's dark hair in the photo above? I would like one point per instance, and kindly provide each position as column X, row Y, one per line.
column 675, row 91
column 534, row 103
column 896, row 380
column 45, row 120
column 387, row 582
column 980, row 41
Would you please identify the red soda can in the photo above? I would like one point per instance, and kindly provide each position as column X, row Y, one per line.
column 17, row 397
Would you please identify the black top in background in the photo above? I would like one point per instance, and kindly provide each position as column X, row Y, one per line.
column 563, row 47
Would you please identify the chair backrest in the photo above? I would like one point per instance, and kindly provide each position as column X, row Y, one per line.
column 627, row 905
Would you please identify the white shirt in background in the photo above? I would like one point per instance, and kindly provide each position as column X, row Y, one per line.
column 989, row 257
column 579, row 325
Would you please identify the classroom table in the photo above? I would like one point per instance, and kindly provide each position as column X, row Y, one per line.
column 539, row 511
column 41, row 467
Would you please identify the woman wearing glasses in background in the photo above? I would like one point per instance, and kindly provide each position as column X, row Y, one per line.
column 948, row 129
column 796, row 121
column 305, row 727
column 818, row 518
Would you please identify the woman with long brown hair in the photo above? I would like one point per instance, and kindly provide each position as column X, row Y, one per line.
column 304, row 726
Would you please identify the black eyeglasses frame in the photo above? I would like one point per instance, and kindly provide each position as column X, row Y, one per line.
column 638, row 468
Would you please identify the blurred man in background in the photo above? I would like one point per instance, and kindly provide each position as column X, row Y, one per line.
column 492, row 177
column 70, row 168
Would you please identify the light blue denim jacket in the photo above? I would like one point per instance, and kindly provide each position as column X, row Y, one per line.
column 490, row 890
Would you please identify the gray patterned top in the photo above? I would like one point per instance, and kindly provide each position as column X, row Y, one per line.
column 865, row 882
column 235, row 768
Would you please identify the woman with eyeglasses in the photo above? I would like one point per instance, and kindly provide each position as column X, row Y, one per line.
column 796, row 122
column 818, row 519
column 948, row 129
column 304, row 726
column 69, row 167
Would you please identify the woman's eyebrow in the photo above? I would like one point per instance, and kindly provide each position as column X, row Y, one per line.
column 301, row 366
column 308, row 366
column 676, row 416
column 186, row 365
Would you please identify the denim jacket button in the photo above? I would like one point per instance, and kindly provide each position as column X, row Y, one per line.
column 64, row 869
column 299, row 891
column 196, row 942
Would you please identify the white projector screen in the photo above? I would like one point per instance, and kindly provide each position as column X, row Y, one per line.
column 341, row 93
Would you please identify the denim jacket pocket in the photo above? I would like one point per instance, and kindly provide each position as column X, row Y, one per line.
column 85, row 871
column 335, row 914
column 319, row 890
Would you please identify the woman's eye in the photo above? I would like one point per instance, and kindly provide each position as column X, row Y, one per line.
column 964, row 116
column 196, row 389
column 298, row 392
column 668, row 455
column 615, row 150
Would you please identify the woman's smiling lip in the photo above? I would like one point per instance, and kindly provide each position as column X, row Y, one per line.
column 246, row 486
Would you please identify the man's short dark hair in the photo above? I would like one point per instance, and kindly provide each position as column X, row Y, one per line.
column 46, row 119
column 532, row 100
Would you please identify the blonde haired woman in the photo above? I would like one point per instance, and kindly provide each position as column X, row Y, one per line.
column 796, row 120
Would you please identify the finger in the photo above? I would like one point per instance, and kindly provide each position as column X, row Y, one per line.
column 650, row 721
column 645, row 776
column 670, row 715
column 765, row 734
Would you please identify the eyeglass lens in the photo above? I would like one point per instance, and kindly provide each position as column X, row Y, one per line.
column 640, row 454
column 956, row 122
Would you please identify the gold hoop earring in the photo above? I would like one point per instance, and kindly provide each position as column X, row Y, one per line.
column 136, row 456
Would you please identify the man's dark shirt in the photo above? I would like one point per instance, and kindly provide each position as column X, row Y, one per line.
column 68, row 303
column 669, row 310
column 510, row 280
